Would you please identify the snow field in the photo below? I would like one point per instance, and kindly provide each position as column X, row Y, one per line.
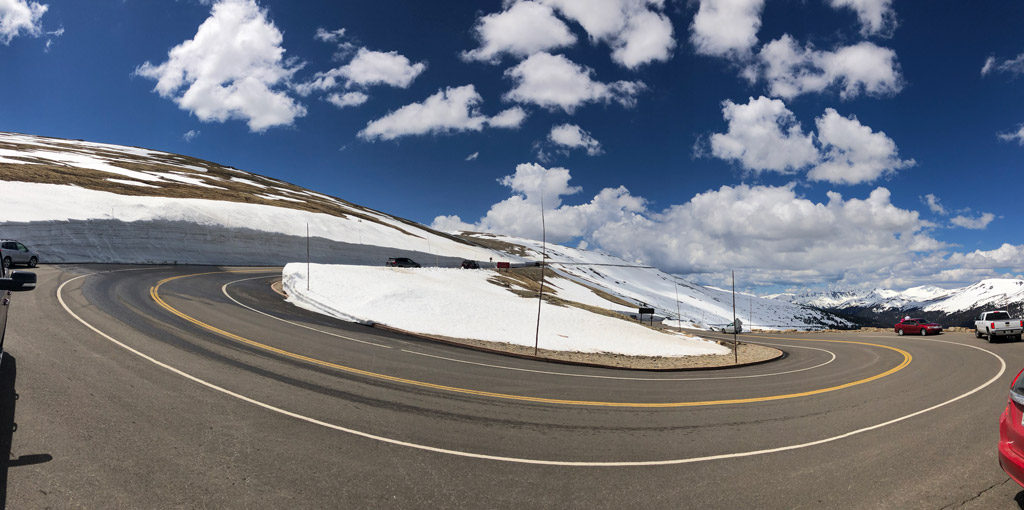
column 461, row 303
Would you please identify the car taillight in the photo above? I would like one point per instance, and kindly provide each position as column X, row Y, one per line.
column 993, row 325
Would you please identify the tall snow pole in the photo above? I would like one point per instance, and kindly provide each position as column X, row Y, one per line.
column 679, row 317
column 543, row 259
column 735, row 349
column 307, row 256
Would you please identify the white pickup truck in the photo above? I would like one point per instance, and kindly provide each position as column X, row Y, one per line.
column 996, row 324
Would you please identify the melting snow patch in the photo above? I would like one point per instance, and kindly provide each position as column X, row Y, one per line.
column 131, row 183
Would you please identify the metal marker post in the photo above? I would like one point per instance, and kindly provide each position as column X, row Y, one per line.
column 307, row 256
column 735, row 345
column 679, row 318
column 543, row 259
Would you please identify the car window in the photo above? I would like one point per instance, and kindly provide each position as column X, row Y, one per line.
column 1018, row 386
column 998, row 316
column 21, row 247
column 8, row 246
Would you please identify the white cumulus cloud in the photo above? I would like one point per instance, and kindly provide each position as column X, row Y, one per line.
column 876, row 16
column 347, row 99
column 574, row 137
column 19, row 17
column 234, row 68
column 523, row 29
column 367, row 68
column 770, row 234
column 726, row 28
column 764, row 135
column 553, row 81
column 934, row 204
column 637, row 31
column 1014, row 136
column 973, row 223
column 863, row 68
column 510, row 118
column 519, row 214
column 329, row 36
column 450, row 110
column 852, row 152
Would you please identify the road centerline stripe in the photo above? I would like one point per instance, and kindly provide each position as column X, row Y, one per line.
column 155, row 295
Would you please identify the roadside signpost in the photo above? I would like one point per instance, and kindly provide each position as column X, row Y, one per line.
column 643, row 310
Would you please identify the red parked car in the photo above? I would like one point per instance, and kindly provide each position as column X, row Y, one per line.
column 922, row 327
column 1011, row 432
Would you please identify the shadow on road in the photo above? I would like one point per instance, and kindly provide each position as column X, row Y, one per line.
column 8, row 397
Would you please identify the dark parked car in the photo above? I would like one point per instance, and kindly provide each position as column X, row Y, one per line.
column 470, row 264
column 401, row 262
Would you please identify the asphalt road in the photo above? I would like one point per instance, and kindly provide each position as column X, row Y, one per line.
column 208, row 390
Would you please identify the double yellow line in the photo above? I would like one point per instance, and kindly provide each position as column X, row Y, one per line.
column 154, row 293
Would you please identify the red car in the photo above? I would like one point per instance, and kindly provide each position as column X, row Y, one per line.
column 1011, row 432
column 917, row 327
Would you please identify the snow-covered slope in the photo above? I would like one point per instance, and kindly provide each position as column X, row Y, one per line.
column 697, row 306
column 75, row 201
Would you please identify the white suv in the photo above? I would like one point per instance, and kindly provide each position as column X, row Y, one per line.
column 13, row 252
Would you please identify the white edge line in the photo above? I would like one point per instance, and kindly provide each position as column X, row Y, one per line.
column 668, row 462
column 224, row 289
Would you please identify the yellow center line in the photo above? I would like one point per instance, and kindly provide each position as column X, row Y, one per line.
column 154, row 292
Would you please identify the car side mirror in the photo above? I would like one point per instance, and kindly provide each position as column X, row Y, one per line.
column 19, row 281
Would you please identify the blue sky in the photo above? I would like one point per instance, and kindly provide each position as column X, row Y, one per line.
column 804, row 143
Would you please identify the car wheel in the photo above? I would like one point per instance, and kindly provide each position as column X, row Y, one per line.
column 32, row 262
column 899, row 332
column 977, row 334
column 989, row 337
column 924, row 332
column 8, row 262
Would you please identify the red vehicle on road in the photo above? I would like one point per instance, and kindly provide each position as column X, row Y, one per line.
column 922, row 327
column 1011, row 432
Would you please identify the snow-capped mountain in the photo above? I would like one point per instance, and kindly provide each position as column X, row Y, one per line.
column 991, row 293
column 133, row 205
column 995, row 292
column 882, row 307
column 875, row 299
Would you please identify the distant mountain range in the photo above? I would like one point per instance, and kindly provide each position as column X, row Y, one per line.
column 882, row 307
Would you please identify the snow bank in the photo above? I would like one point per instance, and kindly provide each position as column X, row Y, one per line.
column 463, row 304
column 34, row 203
